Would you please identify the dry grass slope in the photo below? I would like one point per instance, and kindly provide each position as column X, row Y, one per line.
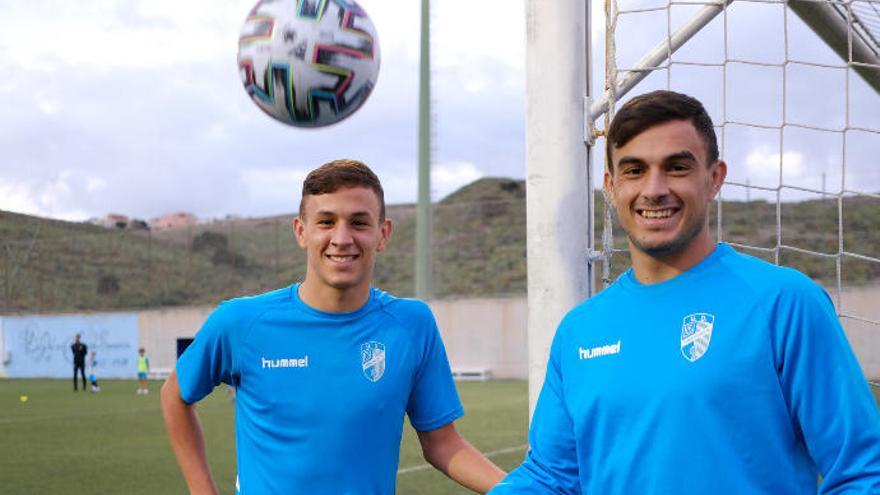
column 479, row 249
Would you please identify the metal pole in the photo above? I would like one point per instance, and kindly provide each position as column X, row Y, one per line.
column 150, row 260
column 277, row 247
column 852, row 43
column 38, row 274
column 7, row 282
column 232, row 265
column 661, row 52
column 589, row 140
column 557, row 191
column 423, row 271
column 189, row 255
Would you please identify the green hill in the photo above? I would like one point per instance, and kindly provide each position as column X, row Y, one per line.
column 49, row 265
column 479, row 249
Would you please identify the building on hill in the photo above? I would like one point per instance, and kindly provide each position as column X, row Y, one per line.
column 177, row 220
column 138, row 224
column 112, row 221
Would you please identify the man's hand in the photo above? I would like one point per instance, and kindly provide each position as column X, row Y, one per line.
column 447, row 451
column 187, row 439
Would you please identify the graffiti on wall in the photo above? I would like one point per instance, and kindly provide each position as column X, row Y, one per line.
column 39, row 346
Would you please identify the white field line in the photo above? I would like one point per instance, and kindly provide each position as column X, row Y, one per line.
column 493, row 453
column 153, row 409
column 117, row 412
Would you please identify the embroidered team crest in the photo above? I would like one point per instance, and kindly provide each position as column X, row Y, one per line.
column 373, row 360
column 696, row 333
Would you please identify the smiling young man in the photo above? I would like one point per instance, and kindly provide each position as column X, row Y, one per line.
column 325, row 370
column 700, row 370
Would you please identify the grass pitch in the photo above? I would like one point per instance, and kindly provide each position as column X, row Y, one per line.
column 61, row 442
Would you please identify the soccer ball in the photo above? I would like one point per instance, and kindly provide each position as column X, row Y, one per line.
column 308, row 63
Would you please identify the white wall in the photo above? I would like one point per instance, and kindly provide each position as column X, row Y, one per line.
column 160, row 329
column 489, row 332
column 3, row 355
column 862, row 304
column 38, row 345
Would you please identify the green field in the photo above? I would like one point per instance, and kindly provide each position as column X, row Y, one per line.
column 114, row 441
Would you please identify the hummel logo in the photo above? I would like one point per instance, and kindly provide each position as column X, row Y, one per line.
column 604, row 350
column 302, row 362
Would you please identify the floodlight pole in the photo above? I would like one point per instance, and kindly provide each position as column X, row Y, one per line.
column 558, row 188
column 423, row 273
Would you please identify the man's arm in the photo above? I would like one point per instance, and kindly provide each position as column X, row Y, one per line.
column 826, row 392
column 447, row 451
column 187, row 438
column 551, row 463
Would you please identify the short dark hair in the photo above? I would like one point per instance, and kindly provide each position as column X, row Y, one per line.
column 658, row 107
column 328, row 178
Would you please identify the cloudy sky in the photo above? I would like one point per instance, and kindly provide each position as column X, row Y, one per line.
column 136, row 106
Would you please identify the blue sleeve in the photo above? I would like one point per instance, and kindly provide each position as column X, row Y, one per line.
column 433, row 401
column 825, row 391
column 551, row 464
column 208, row 361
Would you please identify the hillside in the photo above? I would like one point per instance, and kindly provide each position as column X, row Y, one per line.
column 479, row 249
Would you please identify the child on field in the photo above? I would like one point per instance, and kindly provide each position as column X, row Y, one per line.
column 93, row 378
column 143, row 369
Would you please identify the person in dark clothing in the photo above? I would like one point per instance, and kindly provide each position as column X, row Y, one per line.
column 79, row 360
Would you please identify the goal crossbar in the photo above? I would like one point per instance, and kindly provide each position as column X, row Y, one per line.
column 827, row 21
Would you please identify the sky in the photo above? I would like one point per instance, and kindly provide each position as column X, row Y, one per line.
column 136, row 106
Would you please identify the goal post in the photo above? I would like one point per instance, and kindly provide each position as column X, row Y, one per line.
column 783, row 159
column 558, row 191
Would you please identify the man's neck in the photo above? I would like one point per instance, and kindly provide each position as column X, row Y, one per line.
column 650, row 269
column 333, row 300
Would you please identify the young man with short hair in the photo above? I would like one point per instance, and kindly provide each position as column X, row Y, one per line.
column 324, row 370
column 79, row 351
column 700, row 370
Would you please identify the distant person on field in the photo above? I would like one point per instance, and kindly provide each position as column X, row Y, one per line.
column 701, row 370
column 143, row 364
column 79, row 351
column 93, row 377
column 326, row 369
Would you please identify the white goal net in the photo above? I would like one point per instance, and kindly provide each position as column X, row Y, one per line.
column 793, row 88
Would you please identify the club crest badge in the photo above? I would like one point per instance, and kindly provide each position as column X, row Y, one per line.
column 696, row 333
column 373, row 360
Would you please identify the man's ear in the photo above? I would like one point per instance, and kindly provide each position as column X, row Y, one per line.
column 385, row 229
column 719, row 173
column 608, row 189
column 299, row 229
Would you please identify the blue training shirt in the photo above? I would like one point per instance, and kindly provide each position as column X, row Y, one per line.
column 734, row 377
column 320, row 397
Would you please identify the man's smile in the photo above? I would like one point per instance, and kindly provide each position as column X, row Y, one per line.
column 340, row 258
